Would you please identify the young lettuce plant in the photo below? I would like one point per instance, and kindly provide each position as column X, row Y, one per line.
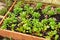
column 23, row 14
column 57, row 10
column 17, row 10
column 12, row 27
column 39, row 5
column 51, row 12
column 52, row 33
column 37, row 26
column 58, row 25
column 45, row 27
column 35, row 21
column 47, row 8
column 56, row 37
column 20, row 29
column 30, row 10
column 44, row 21
column 9, row 21
column 48, row 37
column 26, row 7
column 36, row 15
column 52, row 23
column 51, row 19
column 26, row 28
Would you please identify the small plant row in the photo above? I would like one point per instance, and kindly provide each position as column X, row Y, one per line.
column 34, row 19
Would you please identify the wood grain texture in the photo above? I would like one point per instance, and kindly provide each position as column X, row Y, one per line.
column 18, row 36
column 47, row 1
column 56, row 2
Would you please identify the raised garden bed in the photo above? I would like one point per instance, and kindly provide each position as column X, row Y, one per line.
column 34, row 19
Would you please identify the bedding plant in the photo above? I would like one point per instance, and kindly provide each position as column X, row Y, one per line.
column 35, row 20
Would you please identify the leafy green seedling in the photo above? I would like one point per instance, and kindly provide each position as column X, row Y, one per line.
column 52, row 25
column 20, row 29
column 47, row 8
column 27, row 28
column 8, row 21
column 51, row 19
column 26, row 7
column 35, row 29
column 23, row 14
column 30, row 10
column 39, row 34
column 52, row 33
column 35, row 21
column 44, row 21
column 45, row 28
column 39, row 5
column 48, row 37
column 58, row 25
column 17, row 10
column 12, row 27
column 36, row 15
column 57, row 10
column 51, row 12
column 56, row 37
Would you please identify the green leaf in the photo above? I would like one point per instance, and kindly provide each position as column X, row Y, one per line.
column 36, row 15
column 39, row 34
column 47, row 8
column 20, row 29
column 45, row 28
column 51, row 12
column 52, row 25
column 57, row 10
column 48, row 37
column 52, row 33
column 35, row 29
column 26, row 7
column 17, row 10
column 59, row 25
column 39, row 5
column 56, row 37
column 44, row 21
column 35, row 21
column 51, row 20
column 23, row 14
column 4, row 27
column 12, row 27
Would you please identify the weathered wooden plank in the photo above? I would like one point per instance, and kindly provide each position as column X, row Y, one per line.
column 46, row 1
column 56, row 2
